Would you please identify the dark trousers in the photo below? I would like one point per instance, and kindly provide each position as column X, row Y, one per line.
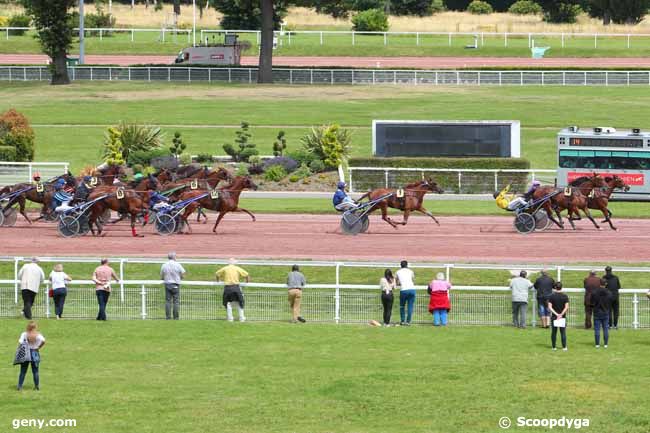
column 614, row 313
column 172, row 296
column 59, row 300
column 588, row 312
column 554, row 336
column 406, row 299
column 519, row 314
column 25, row 365
column 387, row 303
column 28, row 301
column 601, row 321
column 102, row 300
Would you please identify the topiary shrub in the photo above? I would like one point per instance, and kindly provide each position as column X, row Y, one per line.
column 285, row 162
column 244, row 148
column 242, row 169
column 145, row 157
column 204, row 158
column 317, row 166
column 301, row 156
column 19, row 20
column 372, row 20
column 480, row 7
column 16, row 132
column 329, row 143
column 525, row 7
column 275, row 173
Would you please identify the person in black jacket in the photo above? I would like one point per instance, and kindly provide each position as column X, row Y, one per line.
column 544, row 288
column 601, row 301
column 613, row 285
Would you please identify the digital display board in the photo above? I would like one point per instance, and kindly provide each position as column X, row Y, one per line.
column 606, row 142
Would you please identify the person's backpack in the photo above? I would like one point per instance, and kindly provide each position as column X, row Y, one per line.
column 23, row 353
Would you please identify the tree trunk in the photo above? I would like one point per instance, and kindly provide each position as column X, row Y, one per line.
column 177, row 7
column 607, row 17
column 60, row 69
column 265, row 72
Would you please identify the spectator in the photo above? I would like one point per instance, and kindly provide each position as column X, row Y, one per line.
column 544, row 288
column 172, row 273
column 102, row 277
column 31, row 276
column 520, row 287
column 601, row 300
column 387, row 285
column 59, row 280
column 439, row 304
column 296, row 283
column 36, row 341
column 613, row 285
column 406, row 280
column 232, row 293
column 591, row 283
column 558, row 303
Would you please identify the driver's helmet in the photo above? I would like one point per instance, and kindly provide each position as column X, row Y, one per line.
column 341, row 185
column 37, row 176
column 87, row 179
column 138, row 176
column 537, row 183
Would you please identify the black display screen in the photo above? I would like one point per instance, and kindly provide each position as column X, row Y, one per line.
column 606, row 142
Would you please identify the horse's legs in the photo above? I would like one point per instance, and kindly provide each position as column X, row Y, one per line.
column 607, row 215
column 133, row 219
column 426, row 212
column 216, row 223
column 549, row 211
column 246, row 211
column 405, row 218
column 588, row 213
column 384, row 214
column 21, row 207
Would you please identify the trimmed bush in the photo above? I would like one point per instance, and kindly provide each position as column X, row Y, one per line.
column 285, row 162
column 145, row 157
column 7, row 153
column 16, row 132
column 438, row 6
column 302, row 172
column 275, row 173
column 203, row 158
column 100, row 20
column 317, row 166
column 242, row 169
column 480, row 7
column 19, row 20
column 525, row 7
column 372, row 20
column 301, row 156
column 329, row 143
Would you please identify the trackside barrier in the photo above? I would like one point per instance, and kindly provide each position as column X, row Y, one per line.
column 17, row 172
column 333, row 301
column 248, row 75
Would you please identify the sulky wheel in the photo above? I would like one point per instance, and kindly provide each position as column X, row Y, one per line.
column 351, row 226
column 165, row 224
column 2, row 219
column 50, row 216
column 365, row 223
column 69, row 226
column 9, row 217
column 84, row 226
column 524, row 223
column 541, row 220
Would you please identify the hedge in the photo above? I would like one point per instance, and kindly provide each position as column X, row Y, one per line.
column 7, row 153
column 461, row 163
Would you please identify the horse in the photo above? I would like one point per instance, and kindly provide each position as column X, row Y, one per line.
column 600, row 199
column 146, row 184
column 131, row 203
column 207, row 181
column 31, row 192
column 107, row 174
column 411, row 201
column 227, row 201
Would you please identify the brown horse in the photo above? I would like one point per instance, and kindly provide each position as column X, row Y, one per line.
column 227, row 200
column 106, row 174
column 131, row 203
column 600, row 199
column 411, row 201
column 148, row 183
column 31, row 192
column 208, row 180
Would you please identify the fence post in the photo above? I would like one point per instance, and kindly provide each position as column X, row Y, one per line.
column 311, row 76
column 415, row 78
column 148, row 73
column 163, row 34
column 337, row 295
column 46, row 294
column 628, row 78
column 530, row 40
column 100, row 35
column 385, row 39
column 350, row 177
column 496, row 181
column 291, row 76
column 505, row 40
column 417, row 38
column 386, row 178
column 110, row 73
column 230, row 75
column 257, row 35
column 250, row 76
column 562, row 39
column 606, row 78
column 129, row 69
column 91, row 73
column 9, row 73
column 533, row 323
column 500, row 79
column 353, row 37
column 635, row 303
column 559, row 273
column 373, row 76
column 332, row 77
column 144, row 303
column 628, row 41
column 450, row 39
column 169, row 74
column 16, row 280
column 459, row 181
column 210, row 75
column 7, row 33
column 585, row 78
column 448, row 272
column 563, row 78
column 40, row 74
column 25, row 73
column 122, row 280
column 595, row 40
column 321, row 38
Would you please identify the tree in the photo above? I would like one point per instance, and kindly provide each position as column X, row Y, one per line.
column 619, row 11
column 560, row 11
column 52, row 20
column 280, row 144
column 177, row 147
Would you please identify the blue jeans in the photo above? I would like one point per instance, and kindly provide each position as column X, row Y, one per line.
column 440, row 317
column 36, row 359
column 604, row 322
column 102, row 300
column 406, row 298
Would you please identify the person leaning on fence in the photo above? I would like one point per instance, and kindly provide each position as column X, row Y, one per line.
column 295, row 283
column 558, row 303
column 613, row 285
column 439, row 304
column 601, row 301
column 544, row 288
column 520, row 286
column 102, row 277
column 591, row 284
column 230, row 275
column 35, row 341
column 59, row 281
column 172, row 273
column 406, row 280
column 31, row 276
column 387, row 285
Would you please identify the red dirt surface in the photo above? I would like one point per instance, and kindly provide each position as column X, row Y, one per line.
column 318, row 237
column 363, row 62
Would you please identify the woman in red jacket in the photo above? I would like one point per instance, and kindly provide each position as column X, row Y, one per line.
column 439, row 304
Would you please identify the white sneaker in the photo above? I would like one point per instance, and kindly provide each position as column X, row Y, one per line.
column 554, row 349
column 565, row 349
column 242, row 319
column 605, row 346
column 598, row 346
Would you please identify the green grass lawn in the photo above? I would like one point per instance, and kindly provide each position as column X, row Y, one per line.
column 70, row 121
column 157, row 376
column 364, row 45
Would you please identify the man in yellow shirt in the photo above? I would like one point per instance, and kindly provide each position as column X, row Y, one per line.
column 230, row 275
column 508, row 201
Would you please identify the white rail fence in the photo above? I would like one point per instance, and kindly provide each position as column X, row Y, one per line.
column 101, row 32
column 333, row 301
column 17, row 172
column 291, row 76
column 458, row 181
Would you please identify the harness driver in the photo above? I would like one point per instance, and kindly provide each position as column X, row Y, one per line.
column 61, row 198
column 341, row 200
column 510, row 202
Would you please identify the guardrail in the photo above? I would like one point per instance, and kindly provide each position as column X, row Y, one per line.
column 17, row 172
column 248, row 75
column 102, row 31
column 332, row 301
column 459, row 181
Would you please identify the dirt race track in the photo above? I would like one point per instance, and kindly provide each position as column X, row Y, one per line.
column 318, row 237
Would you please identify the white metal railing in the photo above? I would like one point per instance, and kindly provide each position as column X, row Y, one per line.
column 457, row 180
column 102, row 31
column 324, row 301
column 17, row 172
column 304, row 76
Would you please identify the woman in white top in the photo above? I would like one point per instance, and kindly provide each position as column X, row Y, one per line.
column 59, row 280
column 36, row 341
column 387, row 284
